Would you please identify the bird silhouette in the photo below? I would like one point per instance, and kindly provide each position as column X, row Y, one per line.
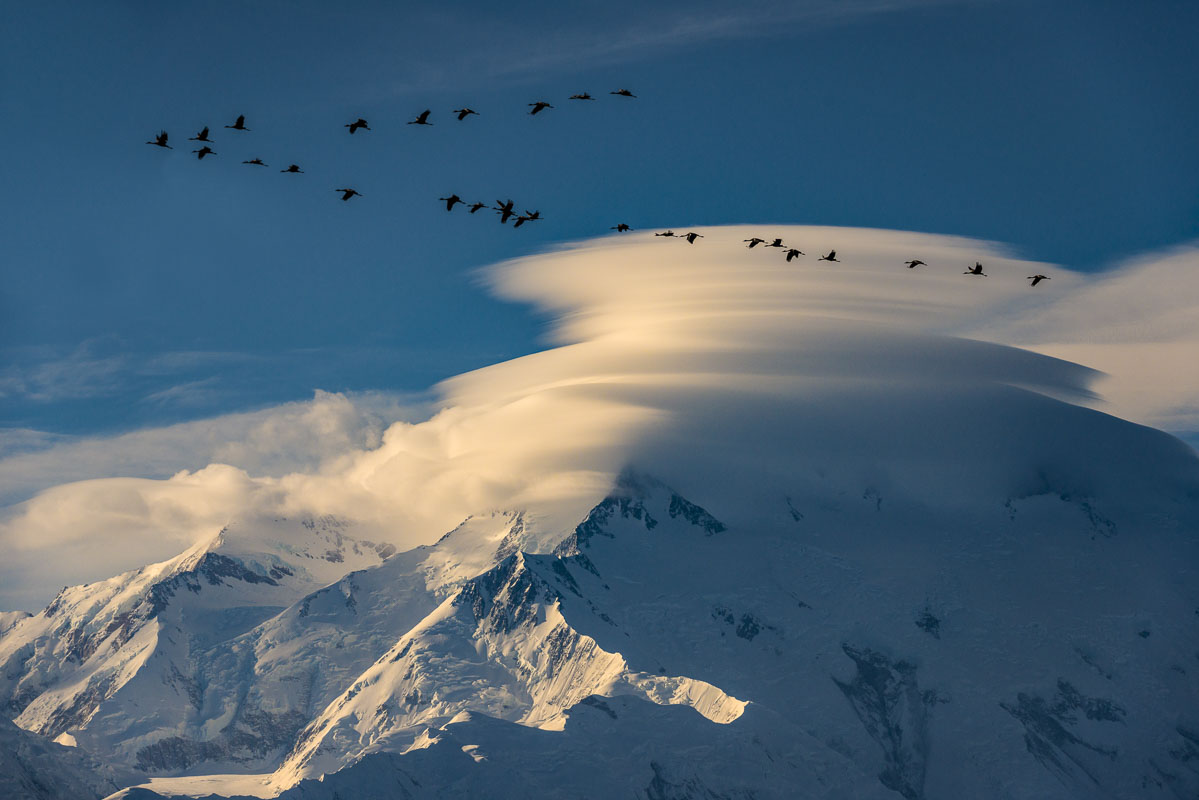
column 528, row 216
column 691, row 237
column 977, row 269
column 204, row 151
column 421, row 119
column 832, row 256
column 476, row 206
column 792, row 253
column 915, row 262
column 256, row 162
column 583, row 96
column 449, row 201
column 356, row 124
column 504, row 210
column 293, row 169
column 776, row 243
column 623, row 93
column 346, row 194
column 1037, row 279
column 202, row 136
column 665, row 233
column 240, row 124
column 754, row 242
column 540, row 105
column 463, row 113
column 161, row 140
column 621, row 228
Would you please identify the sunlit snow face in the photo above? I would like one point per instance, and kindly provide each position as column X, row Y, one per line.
column 723, row 367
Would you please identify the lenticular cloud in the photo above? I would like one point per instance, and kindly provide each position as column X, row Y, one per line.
column 726, row 369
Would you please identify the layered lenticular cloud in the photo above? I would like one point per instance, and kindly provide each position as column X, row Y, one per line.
column 724, row 368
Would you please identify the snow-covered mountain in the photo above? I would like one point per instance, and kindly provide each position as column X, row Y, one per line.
column 99, row 657
column 1039, row 646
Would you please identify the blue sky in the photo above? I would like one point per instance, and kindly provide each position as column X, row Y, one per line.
column 140, row 286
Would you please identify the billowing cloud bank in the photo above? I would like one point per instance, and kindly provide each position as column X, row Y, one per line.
column 725, row 369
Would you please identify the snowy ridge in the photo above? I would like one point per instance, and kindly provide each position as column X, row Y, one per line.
column 76, row 666
column 501, row 646
column 34, row 768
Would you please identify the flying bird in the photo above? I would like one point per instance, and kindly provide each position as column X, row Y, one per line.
column 1037, row 279
column 504, row 210
column 449, row 201
column 754, row 242
column 528, row 216
column 463, row 113
column 356, row 124
column 665, row 233
column 202, row 136
column 832, row 256
column 776, row 243
column 977, row 269
column 583, row 96
column 621, row 228
column 476, row 206
column 293, row 168
column 623, row 93
column 161, row 140
column 204, row 151
column 421, row 119
column 256, row 162
column 240, row 124
column 792, row 253
column 915, row 262
column 691, row 237
column 346, row 194
column 539, row 106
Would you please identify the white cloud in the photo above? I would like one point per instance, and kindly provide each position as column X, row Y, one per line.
column 725, row 369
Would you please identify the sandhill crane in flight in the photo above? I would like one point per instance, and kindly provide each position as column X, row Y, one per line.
column 356, row 124
column 449, row 201
column 204, row 151
column 754, row 242
column 776, row 243
column 792, row 253
column 832, row 256
column 665, row 233
column 476, row 206
column 202, row 136
column 528, row 216
column 977, row 269
column 504, row 210
column 692, row 236
column 915, row 262
column 239, row 124
column 463, row 113
column 623, row 93
column 346, row 194
column 621, row 228
column 1037, row 279
column 540, row 105
column 583, row 96
column 422, row 118
column 161, row 140
column 258, row 162
column 295, row 169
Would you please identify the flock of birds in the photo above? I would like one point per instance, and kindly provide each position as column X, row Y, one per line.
column 793, row 252
column 507, row 208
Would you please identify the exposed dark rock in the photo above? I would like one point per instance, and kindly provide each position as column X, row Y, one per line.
column 1046, row 729
column 886, row 698
column 929, row 624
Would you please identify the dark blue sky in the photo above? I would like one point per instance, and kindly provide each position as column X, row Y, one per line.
column 141, row 286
